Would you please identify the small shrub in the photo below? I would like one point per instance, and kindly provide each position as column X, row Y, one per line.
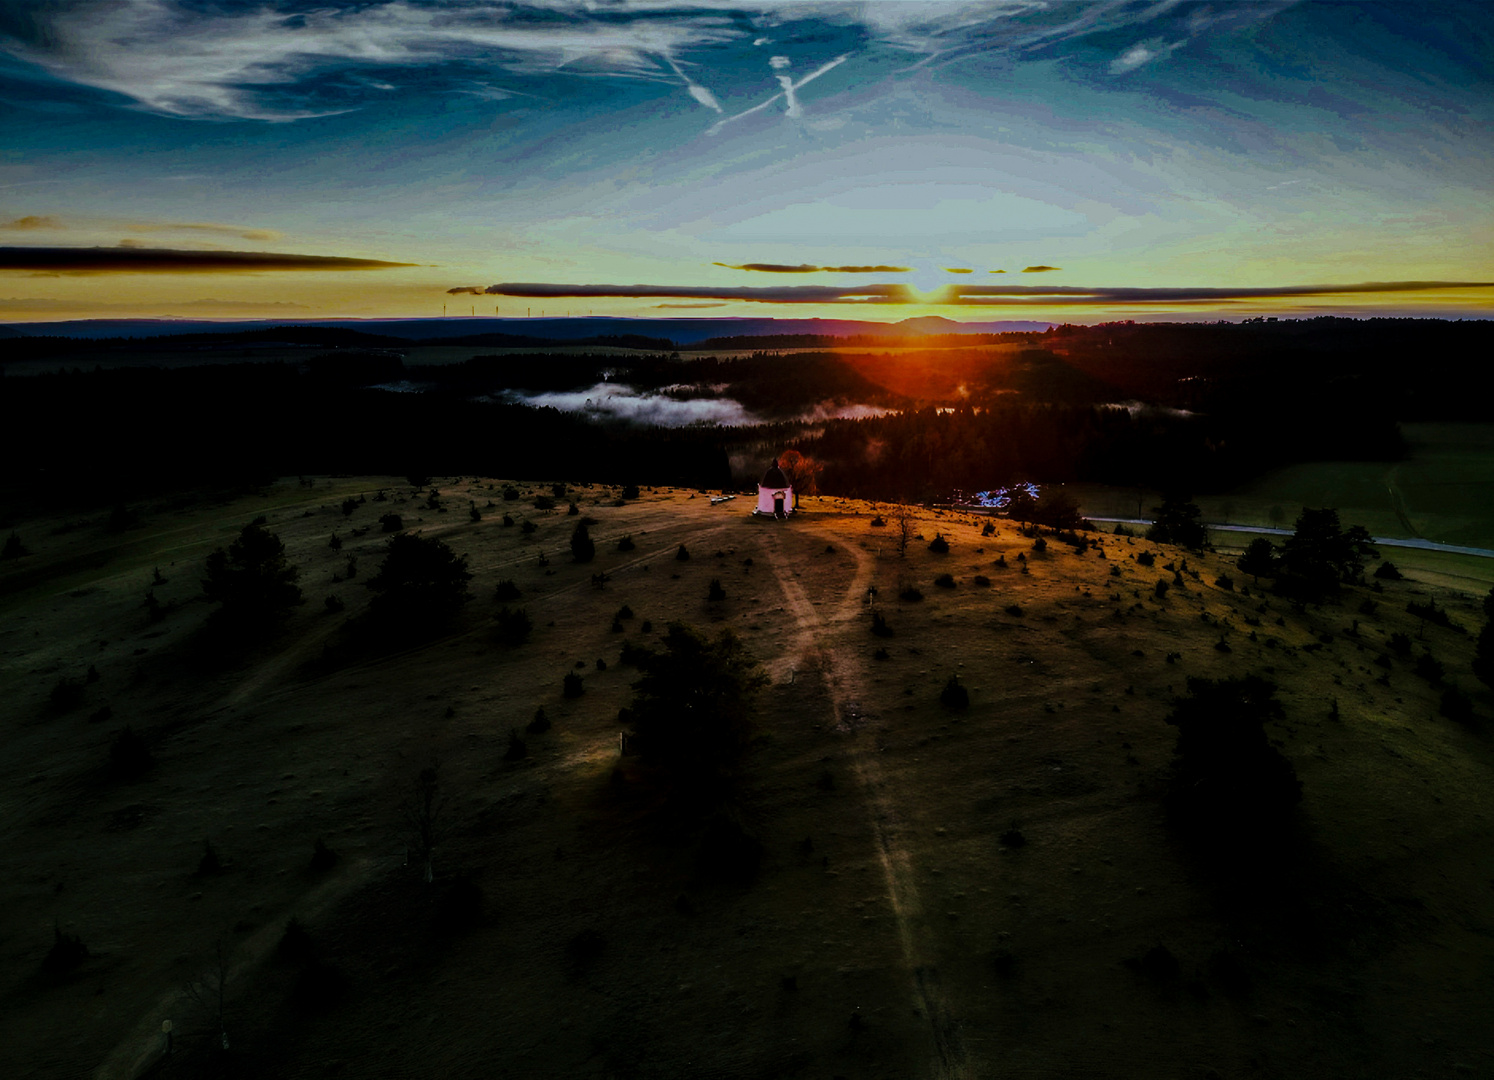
column 391, row 523
column 938, row 545
column 558, row 490
column 540, row 724
column 528, row 527
column 881, row 654
column 1161, row 588
column 296, row 943
column 1013, row 838
column 1146, row 558
column 583, row 548
column 571, row 686
column 517, row 747
column 129, row 757
column 514, row 626
column 508, row 521
column 335, row 542
column 1430, row 612
column 1124, row 530
column 67, row 952
column 626, row 544
column 623, row 613
column 1387, row 571
column 583, row 951
column 473, row 513
column 1014, row 610
column 1040, row 545
column 210, row 865
column 878, row 522
column 510, row 493
column 1400, row 644
column 323, row 858
column 630, row 491
column 682, row 555
column 66, row 694
column 348, row 506
column 988, row 529
column 1428, row 667
column 954, row 695
column 1456, row 705
column 646, row 626
column 1224, row 582
column 544, row 502
column 13, row 548
column 910, row 594
column 982, row 581
column 945, row 581
column 728, row 853
column 879, row 625
column 715, row 593
column 506, row 591
column 459, row 909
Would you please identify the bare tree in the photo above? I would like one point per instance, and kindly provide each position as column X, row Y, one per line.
column 210, row 988
column 423, row 818
column 906, row 525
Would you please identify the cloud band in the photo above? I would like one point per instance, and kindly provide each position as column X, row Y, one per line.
column 960, row 294
column 142, row 260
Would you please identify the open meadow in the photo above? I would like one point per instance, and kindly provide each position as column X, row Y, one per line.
column 894, row 885
column 1442, row 491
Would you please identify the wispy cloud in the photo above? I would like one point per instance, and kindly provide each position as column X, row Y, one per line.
column 770, row 294
column 240, row 232
column 143, row 260
column 262, row 61
column 32, row 222
column 1141, row 54
column 194, row 60
column 992, row 294
column 54, row 306
column 810, row 268
column 1039, row 269
column 958, row 270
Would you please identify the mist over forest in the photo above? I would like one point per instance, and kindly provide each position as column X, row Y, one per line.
column 1201, row 406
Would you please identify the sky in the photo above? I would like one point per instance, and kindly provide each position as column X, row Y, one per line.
column 1020, row 159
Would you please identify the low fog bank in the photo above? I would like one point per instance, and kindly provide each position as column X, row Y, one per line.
column 621, row 402
column 680, row 406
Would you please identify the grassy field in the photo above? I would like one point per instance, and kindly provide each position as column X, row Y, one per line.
column 1444, row 491
column 895, row 927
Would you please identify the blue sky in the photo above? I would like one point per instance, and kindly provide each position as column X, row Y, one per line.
column 1215, row 153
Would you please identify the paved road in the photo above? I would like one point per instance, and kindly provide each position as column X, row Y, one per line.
column 1384, row 541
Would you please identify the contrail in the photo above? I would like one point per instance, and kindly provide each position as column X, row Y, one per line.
column 699, row 93
column 788, row 91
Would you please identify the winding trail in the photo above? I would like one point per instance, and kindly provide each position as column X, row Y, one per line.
column 815, row 642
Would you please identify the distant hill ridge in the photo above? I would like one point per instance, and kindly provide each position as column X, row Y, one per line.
column 500, row 332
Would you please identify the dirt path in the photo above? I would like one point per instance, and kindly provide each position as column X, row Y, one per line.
column 816, row 642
